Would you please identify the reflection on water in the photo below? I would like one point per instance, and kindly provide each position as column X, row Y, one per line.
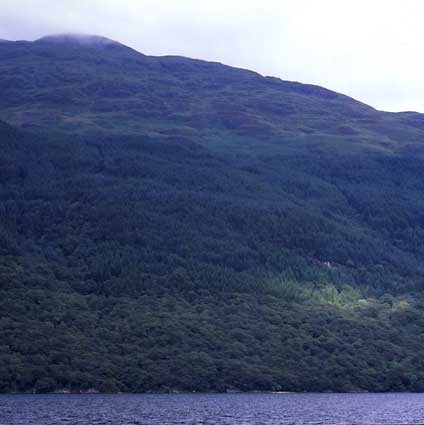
column 212, row 409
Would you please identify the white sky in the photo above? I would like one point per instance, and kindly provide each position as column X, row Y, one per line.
column 370, row 50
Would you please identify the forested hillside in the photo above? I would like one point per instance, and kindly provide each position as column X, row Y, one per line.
column 174, row 224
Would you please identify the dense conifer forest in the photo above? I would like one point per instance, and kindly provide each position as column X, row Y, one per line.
column 169, row 224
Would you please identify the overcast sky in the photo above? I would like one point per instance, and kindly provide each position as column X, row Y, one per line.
column 368, row 49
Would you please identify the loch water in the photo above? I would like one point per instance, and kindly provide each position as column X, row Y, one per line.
column 212, row 409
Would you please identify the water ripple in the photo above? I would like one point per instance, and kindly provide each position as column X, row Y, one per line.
column 213, row 409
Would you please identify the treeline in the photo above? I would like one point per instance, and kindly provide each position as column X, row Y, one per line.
column 151, row 264
column 54, row 340
column 137, row 213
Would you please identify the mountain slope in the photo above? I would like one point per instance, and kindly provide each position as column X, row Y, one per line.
column 93, row 83
column 163, row 218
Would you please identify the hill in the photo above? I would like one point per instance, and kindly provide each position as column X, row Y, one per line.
column 175, row 224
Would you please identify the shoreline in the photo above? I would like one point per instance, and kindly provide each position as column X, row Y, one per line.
column 202, row 393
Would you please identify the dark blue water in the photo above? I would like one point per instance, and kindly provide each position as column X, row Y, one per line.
column 210, row 409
